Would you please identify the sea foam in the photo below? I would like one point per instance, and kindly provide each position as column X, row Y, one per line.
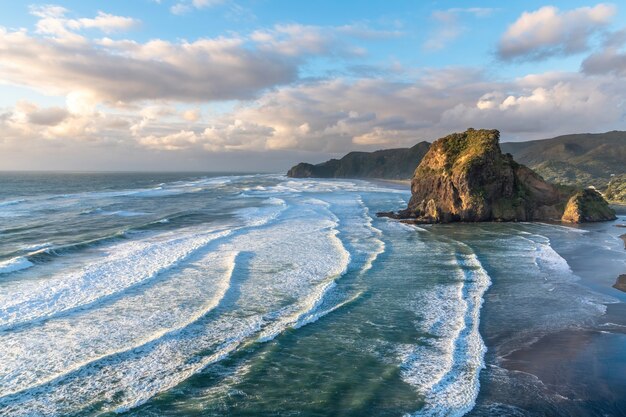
column 14, row 264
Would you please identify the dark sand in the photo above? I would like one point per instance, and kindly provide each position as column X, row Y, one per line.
column 579, row 365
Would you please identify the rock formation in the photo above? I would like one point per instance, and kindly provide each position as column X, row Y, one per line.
column 620, row 284
column 466, row 177
column 587, row 205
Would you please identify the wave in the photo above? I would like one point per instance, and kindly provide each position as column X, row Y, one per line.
column 92, row 349
column 547, row 259
column 258, row 301
column 11, row 202
column 445, row 368
column 124, row 265
column 14, row 264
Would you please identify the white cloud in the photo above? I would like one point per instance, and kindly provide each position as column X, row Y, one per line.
column 183, row 7
column 204, row 70
column 549, row 32
column 336, row 116
column 58, row 60
column 53, row 21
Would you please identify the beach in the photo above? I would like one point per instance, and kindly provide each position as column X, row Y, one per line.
column 194, row 294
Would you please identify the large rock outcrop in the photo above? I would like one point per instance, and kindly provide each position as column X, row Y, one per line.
column 466, row 177
column 587, row 206
column 389, row 163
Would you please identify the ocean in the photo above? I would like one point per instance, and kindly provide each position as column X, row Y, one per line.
column 182, row 294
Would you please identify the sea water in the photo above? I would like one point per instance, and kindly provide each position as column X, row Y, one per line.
column 214, row 295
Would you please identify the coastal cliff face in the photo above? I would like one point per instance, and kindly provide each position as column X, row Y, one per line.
column 587, row 206
column 389, row 163
column 466, row 177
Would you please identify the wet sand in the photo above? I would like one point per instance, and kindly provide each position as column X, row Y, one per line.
column 578, row 367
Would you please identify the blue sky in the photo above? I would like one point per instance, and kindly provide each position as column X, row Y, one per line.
column 231, row 84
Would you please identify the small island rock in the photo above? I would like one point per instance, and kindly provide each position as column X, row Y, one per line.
column 587, row 205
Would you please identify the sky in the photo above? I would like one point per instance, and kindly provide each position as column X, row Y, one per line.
column 259, row 85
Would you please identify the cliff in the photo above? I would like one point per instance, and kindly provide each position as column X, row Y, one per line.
column 587, row 206
column 390, row 163
column 466, row 177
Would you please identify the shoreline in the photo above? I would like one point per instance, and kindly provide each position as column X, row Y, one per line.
column 403, row 182
column 575, row 367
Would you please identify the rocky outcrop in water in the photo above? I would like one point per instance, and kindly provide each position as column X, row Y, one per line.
column 466, row 177
column 587, row 205
column 620, row 284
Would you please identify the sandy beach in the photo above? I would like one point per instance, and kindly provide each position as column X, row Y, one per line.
column 577, row 367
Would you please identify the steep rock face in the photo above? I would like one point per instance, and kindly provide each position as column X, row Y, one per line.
column 388, row 163
column 620, row 284
column 587, row 206
column 466, row 177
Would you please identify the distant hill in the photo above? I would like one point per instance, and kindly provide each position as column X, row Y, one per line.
column 389, row 163
column 581, row 159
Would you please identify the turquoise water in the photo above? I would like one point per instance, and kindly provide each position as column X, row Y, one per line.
column 248, row 295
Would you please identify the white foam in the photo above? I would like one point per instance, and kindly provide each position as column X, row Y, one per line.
column 37, row 247
column 548, row 260
column 119, row 267
column 14, row 264
column 69, row 343
column 447, row 368
column 280, row 278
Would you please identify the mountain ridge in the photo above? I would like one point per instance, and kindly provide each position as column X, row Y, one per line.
column 579, row 160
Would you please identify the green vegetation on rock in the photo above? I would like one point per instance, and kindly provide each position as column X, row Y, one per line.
column 466, row 177
column 587, row 205
column 616, row 189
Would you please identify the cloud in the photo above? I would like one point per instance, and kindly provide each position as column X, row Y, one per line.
column 611, row 59
column 295, row 39
column 48, row 117
column 336, row 116
column 546, row 104
column 449, row 26
column 549, row 32
column 58, row 60
column 608, row 61
column 186, row 6
column 53, row 21
column 204, row 70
